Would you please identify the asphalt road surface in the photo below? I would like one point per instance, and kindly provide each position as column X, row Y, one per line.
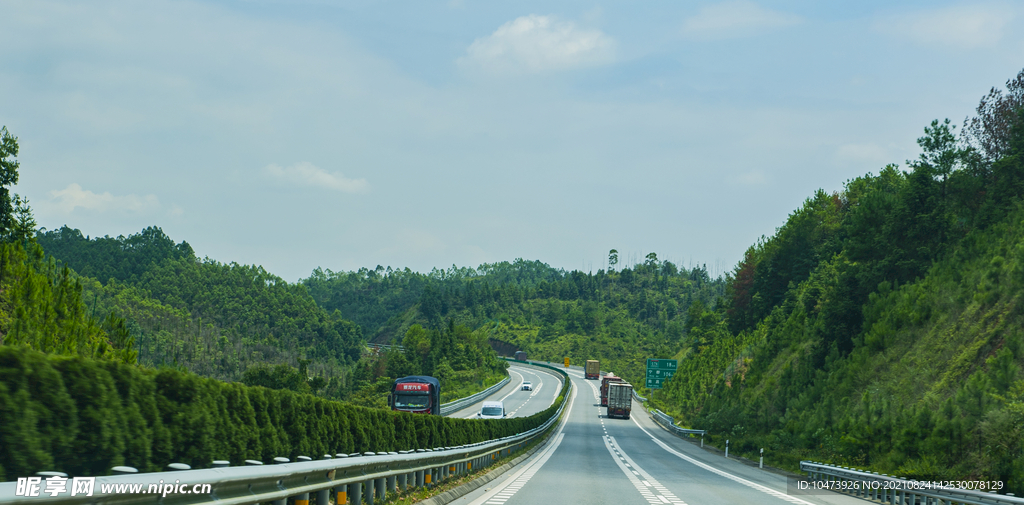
column 518, row 403
column 595, row 460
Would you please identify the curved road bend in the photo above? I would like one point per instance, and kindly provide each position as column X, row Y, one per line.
column 593, row 460
column 546, row 386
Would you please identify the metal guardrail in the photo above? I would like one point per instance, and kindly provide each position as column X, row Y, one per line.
column 896, row 490
column 669, row 423
column 461, row 403
column 638, row 397
column 379, row 474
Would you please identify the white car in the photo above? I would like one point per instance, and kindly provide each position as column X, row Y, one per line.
column 491, row 410
column 526, row 386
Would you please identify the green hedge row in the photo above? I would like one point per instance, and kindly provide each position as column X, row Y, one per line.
column 83, row 416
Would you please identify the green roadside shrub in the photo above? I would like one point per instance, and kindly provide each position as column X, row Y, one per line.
column 83, row 416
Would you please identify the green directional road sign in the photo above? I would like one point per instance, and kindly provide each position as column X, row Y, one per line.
column 659, row 371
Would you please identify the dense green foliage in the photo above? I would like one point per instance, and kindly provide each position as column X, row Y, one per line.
column 217, row 320
column 83, row 416
column 238, row 322
column 125, row 259
column 462, row 360
column 621, row 317
column 16, row 223
column 40, row 302
column 380, row 300
column 881, row 326
column 41, row 307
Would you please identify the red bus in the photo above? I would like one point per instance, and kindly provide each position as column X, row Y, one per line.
column 418, row 394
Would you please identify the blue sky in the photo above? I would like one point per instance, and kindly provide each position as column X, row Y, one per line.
column 347, row 134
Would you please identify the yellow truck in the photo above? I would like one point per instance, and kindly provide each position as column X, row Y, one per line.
column 592, row 370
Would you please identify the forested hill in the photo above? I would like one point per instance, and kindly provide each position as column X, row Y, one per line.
column 214, row 319
column 620, row 316
column 883, row 326
column 125, row 259
column 241, row 323
column 379, row 299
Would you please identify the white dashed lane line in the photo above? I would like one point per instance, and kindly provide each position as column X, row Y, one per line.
column 540, row 384
column 650, row 489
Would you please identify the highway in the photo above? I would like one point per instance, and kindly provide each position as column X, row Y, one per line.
column 594, row 460
column 521, row 403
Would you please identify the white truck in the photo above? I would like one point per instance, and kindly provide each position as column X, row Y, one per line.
column 620, row 399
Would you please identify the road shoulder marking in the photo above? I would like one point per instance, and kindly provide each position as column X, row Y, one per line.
column 723, row 473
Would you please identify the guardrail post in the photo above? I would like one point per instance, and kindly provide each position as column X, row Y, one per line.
column 392, row 483
column 368, row 495
column 340, row 495
column 301, row 499
column 356, row 494
column 379, row 493
column 402, row 480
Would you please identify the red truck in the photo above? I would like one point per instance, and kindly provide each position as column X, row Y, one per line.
column 592, row 370
column 607, row 379
column 418, row 394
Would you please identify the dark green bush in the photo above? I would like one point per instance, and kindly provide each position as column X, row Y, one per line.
column 83, row 416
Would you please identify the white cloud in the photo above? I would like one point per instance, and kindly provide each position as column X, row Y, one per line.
column 735, row 19
column 68, row 199
column 308, row 174
column 968, row 26
column 531, row 44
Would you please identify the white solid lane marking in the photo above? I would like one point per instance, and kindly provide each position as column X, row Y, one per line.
column 643, row 486
column 540, row 382
column 723, row 473
column 521, row 379
column 522, row 476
